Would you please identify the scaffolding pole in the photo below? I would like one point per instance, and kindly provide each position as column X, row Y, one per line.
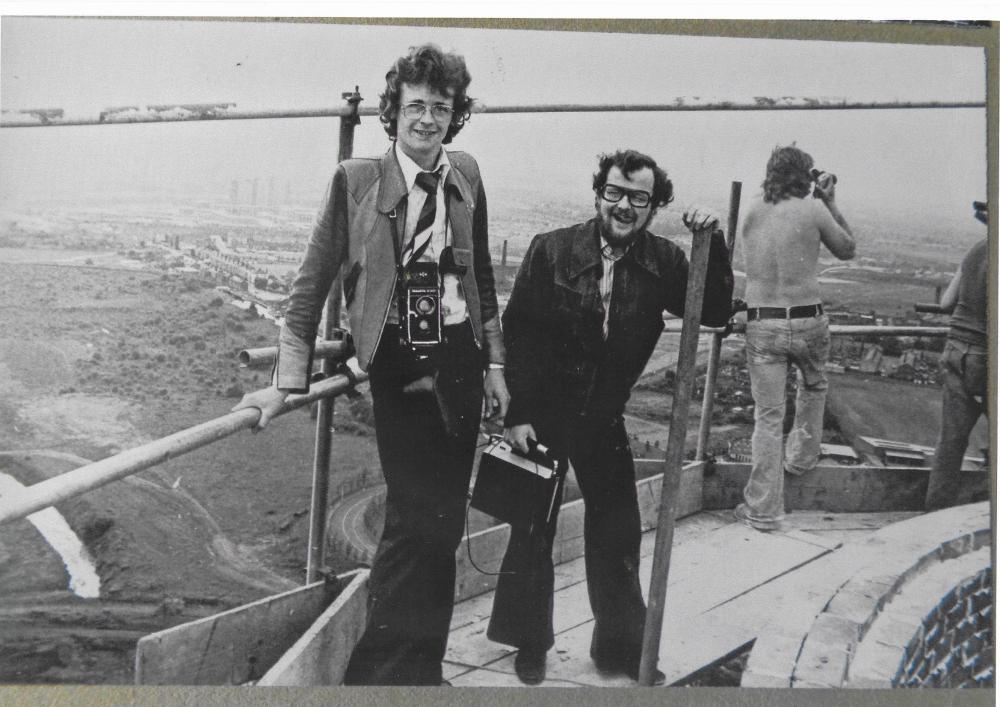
column 714, row 354
column 324, row 417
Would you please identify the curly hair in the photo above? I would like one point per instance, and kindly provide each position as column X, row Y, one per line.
column 427, row 64
column 629, row 161
column 788, row 174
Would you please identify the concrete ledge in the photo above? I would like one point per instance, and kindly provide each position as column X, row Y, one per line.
column 892, row 559
column 837, row 488
column 488, row 546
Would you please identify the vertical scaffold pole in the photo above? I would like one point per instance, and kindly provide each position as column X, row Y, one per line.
column 324, row 417
column 714, row 354
column 686, row 362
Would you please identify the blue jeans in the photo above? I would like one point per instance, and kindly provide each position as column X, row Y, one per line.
column 963, row 372
column 771, row 345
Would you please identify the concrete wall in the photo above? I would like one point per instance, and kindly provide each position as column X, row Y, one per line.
column 487, row 547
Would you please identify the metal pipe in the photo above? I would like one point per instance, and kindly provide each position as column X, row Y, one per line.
column 54, row 117
column 715, row 353
column 266, row 355
column 672, row 327
column 324, row 415
column 673, row 462
column 91, row 476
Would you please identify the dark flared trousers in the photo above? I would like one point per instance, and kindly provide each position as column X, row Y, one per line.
column 427, row 471
column 522, row 607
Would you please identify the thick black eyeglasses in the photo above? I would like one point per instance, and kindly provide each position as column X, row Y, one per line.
column 614, row 194
column 440, row 111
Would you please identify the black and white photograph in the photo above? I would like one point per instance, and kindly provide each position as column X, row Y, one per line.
column 502, row 354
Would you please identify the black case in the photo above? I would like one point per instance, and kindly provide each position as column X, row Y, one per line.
column 514, row 488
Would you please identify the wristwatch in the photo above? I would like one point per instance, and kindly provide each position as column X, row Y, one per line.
column 494, row 367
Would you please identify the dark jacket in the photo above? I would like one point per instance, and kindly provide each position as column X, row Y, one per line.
column 552, row 325
column 354, row 231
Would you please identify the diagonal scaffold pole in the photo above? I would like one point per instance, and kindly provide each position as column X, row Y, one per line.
column 674, row 460
column 712, row 369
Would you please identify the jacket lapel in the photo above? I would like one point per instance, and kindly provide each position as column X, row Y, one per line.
column 392, row 187
column 585, row 253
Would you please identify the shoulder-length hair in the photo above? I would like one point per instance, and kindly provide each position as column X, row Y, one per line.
column 445, row 72
column 788, row 174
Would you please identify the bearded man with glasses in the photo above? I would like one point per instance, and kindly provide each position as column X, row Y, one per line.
column 416, row 209
column 584, row 317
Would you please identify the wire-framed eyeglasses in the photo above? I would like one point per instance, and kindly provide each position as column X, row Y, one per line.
column 415, row 111
column 614, row 194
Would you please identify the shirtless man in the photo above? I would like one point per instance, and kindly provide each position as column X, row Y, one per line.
column 785, row 323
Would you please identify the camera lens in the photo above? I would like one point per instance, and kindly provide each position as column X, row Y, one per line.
column 424, row 305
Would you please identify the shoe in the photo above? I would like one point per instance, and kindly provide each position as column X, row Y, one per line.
column 742, row 513
column 529, row 664
column 632, row 670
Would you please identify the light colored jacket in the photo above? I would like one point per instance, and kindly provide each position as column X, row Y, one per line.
column 355, row 233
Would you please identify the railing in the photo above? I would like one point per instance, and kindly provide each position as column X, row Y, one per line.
column 91, row 476
column 180, row 113
column 330, row 350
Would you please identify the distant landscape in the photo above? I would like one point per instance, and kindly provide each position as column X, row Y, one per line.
column 122, row 324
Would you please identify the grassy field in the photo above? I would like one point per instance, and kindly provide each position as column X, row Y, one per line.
column 892, row 409
column 97, row 360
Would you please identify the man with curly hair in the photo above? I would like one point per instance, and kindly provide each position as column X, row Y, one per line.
column 381, row 219
column 583, row 319
column 782, row 234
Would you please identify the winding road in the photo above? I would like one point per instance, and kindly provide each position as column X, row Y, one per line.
column 346, row 520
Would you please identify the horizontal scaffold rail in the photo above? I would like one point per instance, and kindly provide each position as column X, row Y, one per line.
column 673, row 327
column 91, row 476
column 267, row 355
column 179, row 113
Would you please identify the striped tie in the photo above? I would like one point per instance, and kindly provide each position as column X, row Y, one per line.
column 609, row 259
column 428, row 181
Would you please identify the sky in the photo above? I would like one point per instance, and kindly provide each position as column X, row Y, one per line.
column 917, row 162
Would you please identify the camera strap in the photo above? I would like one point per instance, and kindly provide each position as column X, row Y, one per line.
column 397, row 239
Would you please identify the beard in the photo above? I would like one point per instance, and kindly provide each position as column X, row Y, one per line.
column 608, row 226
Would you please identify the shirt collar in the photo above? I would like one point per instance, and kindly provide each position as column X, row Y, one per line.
column 607, row 250
column 411, row 169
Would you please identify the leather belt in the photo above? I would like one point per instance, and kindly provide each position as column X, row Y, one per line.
column 800, row 312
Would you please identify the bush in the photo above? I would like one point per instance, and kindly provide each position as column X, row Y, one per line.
column 216, row 302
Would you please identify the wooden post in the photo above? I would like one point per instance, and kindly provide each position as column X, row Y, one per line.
column 324, row 417
column 712, row 369
column 686, row 362
column 503, row 263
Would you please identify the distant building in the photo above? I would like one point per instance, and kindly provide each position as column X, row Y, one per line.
column 871, row 359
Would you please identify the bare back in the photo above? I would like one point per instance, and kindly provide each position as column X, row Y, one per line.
column 781, row 245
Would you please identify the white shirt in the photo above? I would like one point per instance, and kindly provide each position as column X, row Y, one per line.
column 608, row 259
column 453, row 307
